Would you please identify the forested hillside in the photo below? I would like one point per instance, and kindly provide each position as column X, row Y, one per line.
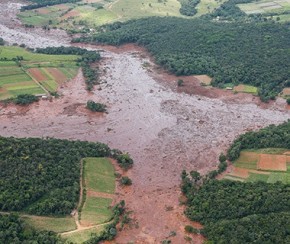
column 252, row 53
column 236, row 212
column 41, row 176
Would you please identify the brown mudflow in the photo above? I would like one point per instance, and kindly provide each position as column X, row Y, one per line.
column 165, row 129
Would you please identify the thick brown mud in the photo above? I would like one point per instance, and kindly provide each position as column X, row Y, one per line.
column 164, row 128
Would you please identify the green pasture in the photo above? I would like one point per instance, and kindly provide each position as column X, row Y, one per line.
column 12, row 52
column 57, row 225
column 131, row 9
column 208, row 6
column 16, row 80
column 96, row 211
column 82, row 235
column 99, row 175
column 118, row 10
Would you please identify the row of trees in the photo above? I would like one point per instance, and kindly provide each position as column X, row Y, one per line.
column 43, row 3
column 186, row 47
column 87, row 58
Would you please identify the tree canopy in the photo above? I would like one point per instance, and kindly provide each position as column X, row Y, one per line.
column 253, row 53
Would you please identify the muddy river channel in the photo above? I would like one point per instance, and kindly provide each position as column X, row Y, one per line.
column 164, row 129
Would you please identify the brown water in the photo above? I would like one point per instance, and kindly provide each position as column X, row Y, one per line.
column 164, row 130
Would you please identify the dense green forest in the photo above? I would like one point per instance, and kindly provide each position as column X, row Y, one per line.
column 41, row 176
column 236, row 212
column 87, row 58
column 43, row 3
column 271, row 136
column 254, row 53
column 14, row 230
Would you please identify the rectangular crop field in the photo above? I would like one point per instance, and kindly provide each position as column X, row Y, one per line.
column 272, row 162
column 96, row 211
column 99, row 175
column 12, row 52
column 57, row 225
column 246, row 89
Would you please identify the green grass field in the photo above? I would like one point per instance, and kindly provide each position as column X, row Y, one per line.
column 57, row 225
column 96, row 211
column 246, row 89
column 90, row 14
column 208, row 6
column 99, row 175
column 82, row 235
column 99, row 178
column 16, row 79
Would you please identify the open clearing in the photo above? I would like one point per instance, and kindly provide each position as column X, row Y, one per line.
column 57, row 225
column 247, row 89
column 277, row 8
column 268, row 164
column 99, row 178
column 96, row 13
column 29, row 76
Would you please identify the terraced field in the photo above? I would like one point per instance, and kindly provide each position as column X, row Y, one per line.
column 23, row 72
column 269, row 165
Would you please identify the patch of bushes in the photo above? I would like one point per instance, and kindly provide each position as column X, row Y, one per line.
column 96, row 107
column 126, row 181
column 25, row 99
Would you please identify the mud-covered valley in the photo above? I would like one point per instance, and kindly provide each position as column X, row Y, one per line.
column 165, row 130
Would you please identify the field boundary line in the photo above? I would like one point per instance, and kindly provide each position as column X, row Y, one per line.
column 38, row 83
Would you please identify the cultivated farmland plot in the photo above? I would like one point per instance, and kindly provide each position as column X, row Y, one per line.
column 269, row 165
column 31, row 75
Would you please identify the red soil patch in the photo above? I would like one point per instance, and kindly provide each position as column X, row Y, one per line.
column 62, row 6
column 272, row 162
column 286, row 91
column 99, row 194
column 37, row 74
column 70, row 14
column 58, row 76
column 239, row 88
column 240, row 172
column 205, row 79
column 43, row 10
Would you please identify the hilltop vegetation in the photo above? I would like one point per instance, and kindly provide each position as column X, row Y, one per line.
column 186, row 47
column 42, row 176
column 24, row 72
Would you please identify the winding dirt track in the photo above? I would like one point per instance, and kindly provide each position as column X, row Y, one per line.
column 164, row 131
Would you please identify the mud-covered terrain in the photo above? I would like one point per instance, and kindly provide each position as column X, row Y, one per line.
column 165, row 130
